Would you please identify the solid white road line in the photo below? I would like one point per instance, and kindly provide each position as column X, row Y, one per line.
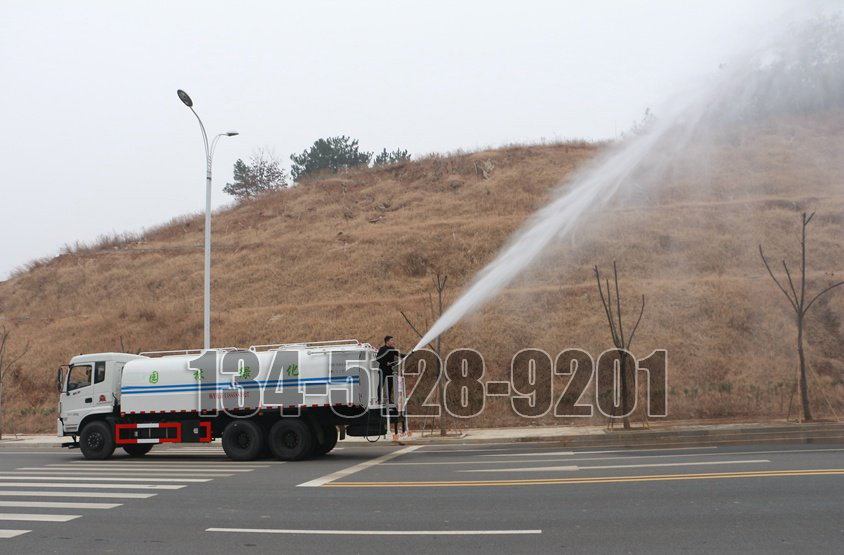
column 525, row 469
column 523, row 443
column 25, row 517
column 377, row 532
column 5, row 534
column 469, row 462
column 77, row 468
column 86, row 494
column 154, row 459
column 186, row 463
column 200, row 450
column 212, row 452
column 676, row 455
column 5, row 484
column 13, row 476
column 614, row 458
column 178, row 453
column 5, row 452
column 464, row 450
column 56, row 505
column 569, row 453
column 610, row 466
column 197, row 450
column 126, row 474
column 532, row 454
column 357, row 468
column 203, row 445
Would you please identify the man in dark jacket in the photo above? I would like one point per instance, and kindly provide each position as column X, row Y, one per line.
column 388, row 358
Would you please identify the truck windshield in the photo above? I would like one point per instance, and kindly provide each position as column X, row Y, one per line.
column 78, row 376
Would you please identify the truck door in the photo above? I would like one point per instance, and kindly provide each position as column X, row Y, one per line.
column 78, row 399
column 104, row 397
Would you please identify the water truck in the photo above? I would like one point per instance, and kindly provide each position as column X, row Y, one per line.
column 291, row 401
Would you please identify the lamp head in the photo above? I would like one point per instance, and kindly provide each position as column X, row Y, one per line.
column 183, row 96
column 231, row 133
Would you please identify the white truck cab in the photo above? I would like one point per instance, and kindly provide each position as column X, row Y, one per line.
column 89, row 385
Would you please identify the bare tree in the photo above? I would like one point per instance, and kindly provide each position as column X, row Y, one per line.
column 439, row 285
column 801, row 307
column 617, row 331
column 7, row 361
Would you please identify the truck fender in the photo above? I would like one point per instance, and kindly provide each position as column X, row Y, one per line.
column 108, row 417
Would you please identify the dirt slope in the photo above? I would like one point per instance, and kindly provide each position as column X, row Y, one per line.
column 339, row 257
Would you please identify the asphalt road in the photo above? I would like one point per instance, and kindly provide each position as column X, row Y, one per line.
column 493, row 498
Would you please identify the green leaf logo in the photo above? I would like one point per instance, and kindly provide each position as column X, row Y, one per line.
column 153, row 378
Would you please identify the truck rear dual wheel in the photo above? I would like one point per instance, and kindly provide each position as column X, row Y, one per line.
column 243, row 440
column 290, row 439
column 329, row 442
column 97, row 440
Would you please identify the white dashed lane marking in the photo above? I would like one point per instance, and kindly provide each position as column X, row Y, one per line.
column 179, row 475
column 143, row 468
column 13, row 476
column 58, row 505
column 86, row 478
column 86, row 494
column 10, row 484
column 26, row 517
column 6, row 534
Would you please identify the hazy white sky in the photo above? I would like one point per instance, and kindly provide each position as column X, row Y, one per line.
column 94, row 140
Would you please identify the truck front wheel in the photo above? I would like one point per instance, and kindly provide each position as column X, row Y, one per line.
column 290, row 439
column 242, row 440
column 97, row 441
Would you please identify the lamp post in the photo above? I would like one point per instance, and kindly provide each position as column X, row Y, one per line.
column 209, row 155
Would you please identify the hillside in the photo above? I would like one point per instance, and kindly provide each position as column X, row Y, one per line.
column 338, row 257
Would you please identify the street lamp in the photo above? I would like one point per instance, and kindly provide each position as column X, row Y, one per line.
column 209, row 155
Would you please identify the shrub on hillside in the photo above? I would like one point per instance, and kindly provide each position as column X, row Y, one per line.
column 332, row 154
column 263, row 173
column 389, row 158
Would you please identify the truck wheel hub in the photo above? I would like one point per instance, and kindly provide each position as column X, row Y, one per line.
column 290, row 440
column 95, row 440
column 243, row 440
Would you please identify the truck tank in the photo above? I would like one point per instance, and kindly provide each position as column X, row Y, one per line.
column 264, row 376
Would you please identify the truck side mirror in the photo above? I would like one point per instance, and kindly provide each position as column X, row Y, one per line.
column 59, row 380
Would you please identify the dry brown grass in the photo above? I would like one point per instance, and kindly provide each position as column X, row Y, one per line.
column 308, row 263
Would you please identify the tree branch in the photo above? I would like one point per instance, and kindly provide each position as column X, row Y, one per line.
column 790, row 283
column 606, row 304
column 409, row 323
column 618, row 304
column 639, row 319
column 831, row 287
column 771, row 273
column 613, row 327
